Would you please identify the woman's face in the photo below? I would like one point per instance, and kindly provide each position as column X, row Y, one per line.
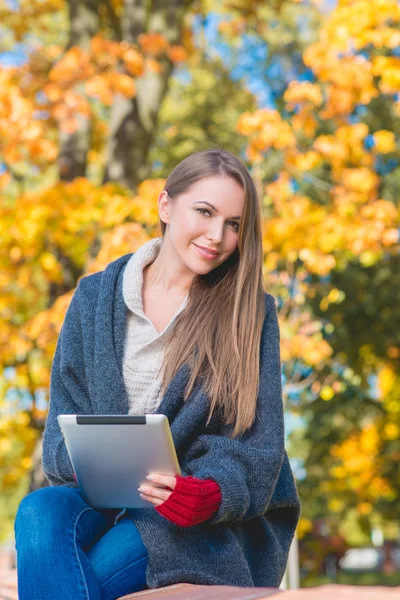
column 193, row 222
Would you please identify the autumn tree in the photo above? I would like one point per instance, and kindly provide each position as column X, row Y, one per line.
column 82, row 171
column 329, row 157
column 77, row 119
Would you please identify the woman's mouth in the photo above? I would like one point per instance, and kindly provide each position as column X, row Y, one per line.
column 205, row 254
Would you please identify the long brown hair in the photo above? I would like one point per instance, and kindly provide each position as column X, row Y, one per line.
column 218, row 333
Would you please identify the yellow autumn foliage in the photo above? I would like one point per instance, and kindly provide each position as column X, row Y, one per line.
column 385, row 141
column 357, row 222
column 359, row 465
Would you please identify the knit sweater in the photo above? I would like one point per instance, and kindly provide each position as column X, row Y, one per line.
column 246, row 542
column 144, row 347
column 193, row 500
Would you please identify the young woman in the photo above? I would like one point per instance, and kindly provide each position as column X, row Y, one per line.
column 181, row 327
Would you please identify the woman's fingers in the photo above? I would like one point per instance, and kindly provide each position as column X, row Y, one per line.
column 157, row 495
column 165, row 480
column 153, row 492
column 153, row 499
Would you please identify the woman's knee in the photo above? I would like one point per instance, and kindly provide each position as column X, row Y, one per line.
column 120, row 558
column 41, row 512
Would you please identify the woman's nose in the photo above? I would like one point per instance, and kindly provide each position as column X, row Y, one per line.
column 215, row 232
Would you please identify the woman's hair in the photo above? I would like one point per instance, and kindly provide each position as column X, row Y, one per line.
column 218, row 333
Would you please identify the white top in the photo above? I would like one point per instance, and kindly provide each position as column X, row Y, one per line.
column 143, row 346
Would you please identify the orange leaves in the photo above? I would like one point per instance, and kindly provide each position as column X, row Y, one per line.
column 301, row 93
column 346, row 146
column 177, row 54
column 386, row 380
column 12, row 101
column 144, row 205
column 324, row 205
column 51, row 267
column 302, row 162
column 329, row 147
column 17, row 442
column 361, row 180
column 42, row 330
column 383, row 211
column 54, row 233
column 54, row 91
column 122, row 84
column 121, row 240
column 390, row 237
column 153, row 44
column 388, row 69
column 133, row 61
column 75, row 65
column 311, row 350
column 98, row 70
column 350, row 82
column 304, row 122
column 30, row 15
column 255, row 122
column 46, row 238
column 266, row 129
column 104, row 87
column 349, row 76
column 98, row 87
column 21, row 135
column 105, row 52
column 359, row 459
column 321, row 235
column 359, row 463
column 303, row 97
column 385, row 141
column 302, row 230
column 68, row 109
column 356, row 23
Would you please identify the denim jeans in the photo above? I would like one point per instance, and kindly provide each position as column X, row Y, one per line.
column 68, row 550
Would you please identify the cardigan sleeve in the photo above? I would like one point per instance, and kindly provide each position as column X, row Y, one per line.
column 247, row 468
column 68, row 395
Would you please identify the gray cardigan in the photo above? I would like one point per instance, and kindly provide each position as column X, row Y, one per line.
column 246, row 543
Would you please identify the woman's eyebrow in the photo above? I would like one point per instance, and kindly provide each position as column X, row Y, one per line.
column 216, row 209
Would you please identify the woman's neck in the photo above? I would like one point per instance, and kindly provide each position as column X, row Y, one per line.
column 160, row 276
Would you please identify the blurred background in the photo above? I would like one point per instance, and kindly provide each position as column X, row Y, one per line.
column 99, row 100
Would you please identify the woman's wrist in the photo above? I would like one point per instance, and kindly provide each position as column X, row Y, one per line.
column 193, row 501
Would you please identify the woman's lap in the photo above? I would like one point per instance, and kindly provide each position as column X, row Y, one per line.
column 119, row 559
column 106, row 559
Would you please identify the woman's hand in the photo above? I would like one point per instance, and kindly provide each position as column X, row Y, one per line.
column 157, row 495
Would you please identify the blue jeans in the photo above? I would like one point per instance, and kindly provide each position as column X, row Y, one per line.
column 67, row 550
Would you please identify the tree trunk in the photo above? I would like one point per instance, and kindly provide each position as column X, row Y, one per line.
column 72, row 159
column 134, row 120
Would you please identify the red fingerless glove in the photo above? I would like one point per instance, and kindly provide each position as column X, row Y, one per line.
column 192, row 501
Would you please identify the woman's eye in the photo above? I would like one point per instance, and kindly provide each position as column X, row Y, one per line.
column 236, row 225
column 205, row 210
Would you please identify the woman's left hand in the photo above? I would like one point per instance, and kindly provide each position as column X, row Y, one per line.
column 157, row 495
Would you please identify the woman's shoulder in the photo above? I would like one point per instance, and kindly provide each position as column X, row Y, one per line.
column 270, row 302
column 89, row 285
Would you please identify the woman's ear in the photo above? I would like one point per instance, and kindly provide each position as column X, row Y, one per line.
column 164, row 206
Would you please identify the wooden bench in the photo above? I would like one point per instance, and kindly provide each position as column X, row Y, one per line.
column 188, row 591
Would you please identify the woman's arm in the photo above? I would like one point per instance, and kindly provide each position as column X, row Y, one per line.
column 68, row 395
column 247, row 468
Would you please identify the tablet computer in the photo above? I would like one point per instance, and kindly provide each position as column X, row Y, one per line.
column 112, row 454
